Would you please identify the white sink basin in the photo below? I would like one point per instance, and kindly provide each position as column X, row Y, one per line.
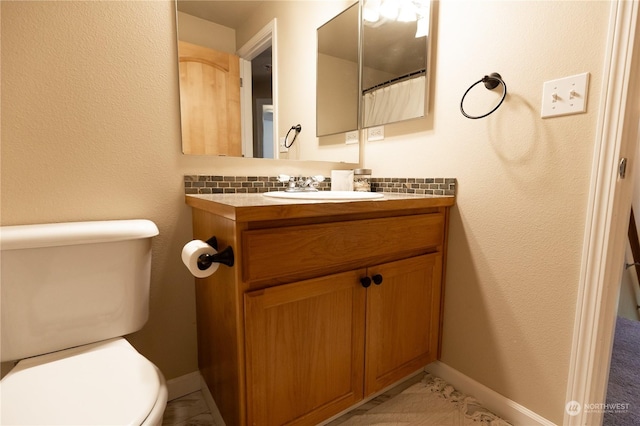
column 325, row 195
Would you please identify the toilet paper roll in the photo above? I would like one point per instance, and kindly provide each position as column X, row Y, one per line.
column 190, row 254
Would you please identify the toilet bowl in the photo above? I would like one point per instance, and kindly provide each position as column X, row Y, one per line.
column 105, row 383
column 69, row 292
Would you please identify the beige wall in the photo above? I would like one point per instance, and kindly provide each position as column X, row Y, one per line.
column 90, row 130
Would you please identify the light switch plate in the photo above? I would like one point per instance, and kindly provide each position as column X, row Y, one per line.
column 565, row 96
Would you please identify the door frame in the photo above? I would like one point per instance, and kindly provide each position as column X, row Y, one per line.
column 607, row 218
column 264, row 38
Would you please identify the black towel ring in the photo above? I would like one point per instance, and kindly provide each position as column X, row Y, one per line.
column 490, row 81
column 298, row 129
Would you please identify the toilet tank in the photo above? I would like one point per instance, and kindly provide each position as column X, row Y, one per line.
column 68, row 284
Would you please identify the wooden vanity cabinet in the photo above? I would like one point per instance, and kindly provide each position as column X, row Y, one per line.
column 305, row 342
column 319, row 310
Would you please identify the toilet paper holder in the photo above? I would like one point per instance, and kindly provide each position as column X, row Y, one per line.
column 225, row 256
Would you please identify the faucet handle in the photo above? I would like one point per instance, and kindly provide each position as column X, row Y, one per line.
column 284, row 178
column 315, row 181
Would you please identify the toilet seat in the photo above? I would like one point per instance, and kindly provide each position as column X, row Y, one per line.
column 105, row 383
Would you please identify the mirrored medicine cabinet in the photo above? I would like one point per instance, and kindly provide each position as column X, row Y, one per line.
column 369, row 66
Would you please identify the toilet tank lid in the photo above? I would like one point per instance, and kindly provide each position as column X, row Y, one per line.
column 71, row 233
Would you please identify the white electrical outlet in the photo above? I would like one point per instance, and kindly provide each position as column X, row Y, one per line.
column 375, row 133
column 351, row 137
column 282, row 147
column 565, row 96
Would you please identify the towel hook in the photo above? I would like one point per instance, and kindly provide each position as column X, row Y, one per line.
column 490, row 81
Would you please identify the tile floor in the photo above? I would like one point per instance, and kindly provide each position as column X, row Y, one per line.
column 191, row 410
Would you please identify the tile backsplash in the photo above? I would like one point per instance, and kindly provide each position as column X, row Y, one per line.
column 212, row 184
column 433, row 186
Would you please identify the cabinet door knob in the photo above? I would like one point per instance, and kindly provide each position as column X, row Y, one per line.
column 365, row 281
column 377, row 279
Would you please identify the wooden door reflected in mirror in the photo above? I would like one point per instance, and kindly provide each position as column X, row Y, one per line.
column 209, row 101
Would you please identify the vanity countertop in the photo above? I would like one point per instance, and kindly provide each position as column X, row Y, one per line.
column 256, row 207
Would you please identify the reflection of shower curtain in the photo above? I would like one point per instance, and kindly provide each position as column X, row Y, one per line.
column 396, row 102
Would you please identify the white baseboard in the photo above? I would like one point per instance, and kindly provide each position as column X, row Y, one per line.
column 183, row 385
column 509, row 410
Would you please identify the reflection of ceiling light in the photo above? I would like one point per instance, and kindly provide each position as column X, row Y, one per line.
column 399, row 10
column 371, row 11
column 422, row 8
column 389, row 9
column 407, row 12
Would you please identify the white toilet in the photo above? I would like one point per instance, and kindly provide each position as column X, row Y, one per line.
column 69, row 291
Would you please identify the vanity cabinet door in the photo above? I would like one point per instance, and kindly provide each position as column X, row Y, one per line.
column 403, row 319
column 305, row 349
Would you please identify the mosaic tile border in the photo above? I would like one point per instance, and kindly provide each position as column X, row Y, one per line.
column 212, row 184
column 430, row 186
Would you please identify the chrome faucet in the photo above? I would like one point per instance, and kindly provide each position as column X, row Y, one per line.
column 301, row 183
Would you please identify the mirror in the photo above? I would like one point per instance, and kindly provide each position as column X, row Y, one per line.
column 393, row 68
column 394, row 60
column 338, row 74
column 213, row 119
column 290, row 65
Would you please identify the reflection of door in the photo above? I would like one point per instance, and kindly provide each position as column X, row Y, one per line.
column 258, row 56
column 267, row 132
column 209, row 101
column 263, row 129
